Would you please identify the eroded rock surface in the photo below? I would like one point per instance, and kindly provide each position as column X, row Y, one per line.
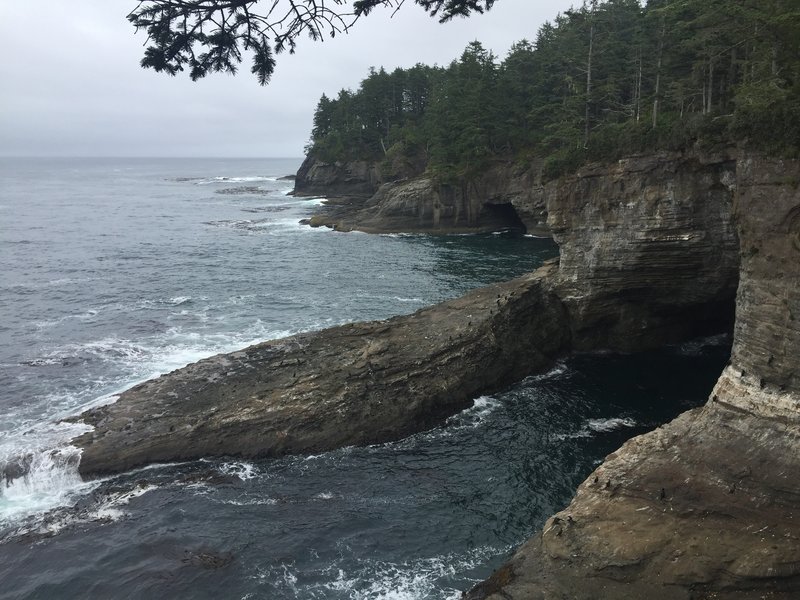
column 707, row 506
column 359, row 179
column 371, row 382
column 504, row 197
column 355, row 384
column 649, row 253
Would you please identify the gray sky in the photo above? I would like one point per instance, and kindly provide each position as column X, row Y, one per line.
column 72, row 85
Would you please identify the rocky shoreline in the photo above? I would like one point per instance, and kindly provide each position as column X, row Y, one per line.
column 358, row 198
column 355, row 384
column 702, row 507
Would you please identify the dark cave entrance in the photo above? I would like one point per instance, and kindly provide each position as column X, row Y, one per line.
column 504, row 217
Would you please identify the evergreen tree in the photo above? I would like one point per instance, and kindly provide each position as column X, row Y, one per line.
column 602, row 80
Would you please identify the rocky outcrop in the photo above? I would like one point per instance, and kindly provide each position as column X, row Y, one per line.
column 355, row 384
column 707, row 506
column 421, row 205
column 370, row 382
column 358, row 178
column 505, row 197
column 649, row 254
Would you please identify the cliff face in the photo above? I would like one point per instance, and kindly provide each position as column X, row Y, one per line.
column 358, row 179
column 768, row 326
column 707, row 506
column 649, row 253
column 506, row 196
column 372, row 382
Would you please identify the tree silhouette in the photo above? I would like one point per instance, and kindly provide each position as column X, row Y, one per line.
column 206, row 36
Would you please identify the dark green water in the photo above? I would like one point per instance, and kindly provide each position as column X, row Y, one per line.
column 113, row 271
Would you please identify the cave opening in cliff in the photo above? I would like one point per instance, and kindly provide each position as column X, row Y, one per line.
column 506, row 217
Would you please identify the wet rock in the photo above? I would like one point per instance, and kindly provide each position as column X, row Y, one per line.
column 706, row 506
column 207, row 559
column 356, row 384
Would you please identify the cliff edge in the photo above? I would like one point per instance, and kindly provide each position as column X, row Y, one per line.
column 707, row 506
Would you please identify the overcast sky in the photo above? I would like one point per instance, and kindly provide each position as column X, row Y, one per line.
column 71, row 85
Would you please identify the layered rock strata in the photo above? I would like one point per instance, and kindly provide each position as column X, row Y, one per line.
column 707, row 506
column 372, row 382
column 358, row 179
column 356, row 384
column 649, row 253
column 504, row 197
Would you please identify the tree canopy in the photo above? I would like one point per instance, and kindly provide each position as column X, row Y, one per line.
column 205, row 36
column 605, row 79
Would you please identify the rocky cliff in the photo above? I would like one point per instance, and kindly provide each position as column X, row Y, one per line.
column 359, row 179
column 364, row 383
column 703, row 507
column 707, row 506
column 506, row 196
column 649, row 254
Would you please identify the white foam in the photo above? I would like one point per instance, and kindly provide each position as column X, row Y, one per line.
column 473, row 417
column 109, row 509
column 246, row 179
column 36, row 480
column 251, row 502
column 593, row 426
column 481, row 408
column 378, row 580
column 603, row 425
column 243, row 470
column 559, row 369
column 84, row 316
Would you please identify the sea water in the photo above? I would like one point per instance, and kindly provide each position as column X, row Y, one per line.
column 113, row 271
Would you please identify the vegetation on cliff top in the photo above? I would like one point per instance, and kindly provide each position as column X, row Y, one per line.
column 603, row 80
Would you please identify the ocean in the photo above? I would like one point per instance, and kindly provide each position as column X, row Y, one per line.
column 113, row 271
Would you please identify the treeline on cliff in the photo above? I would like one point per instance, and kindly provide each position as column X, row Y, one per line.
column 602, row 80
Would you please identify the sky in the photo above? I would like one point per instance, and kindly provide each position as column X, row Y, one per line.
column 71, row 85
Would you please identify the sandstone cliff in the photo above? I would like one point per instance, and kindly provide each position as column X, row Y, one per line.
column 372, row 382
column 649, row 254
column 316, row 177
column 707, row 506
column 506, row 196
